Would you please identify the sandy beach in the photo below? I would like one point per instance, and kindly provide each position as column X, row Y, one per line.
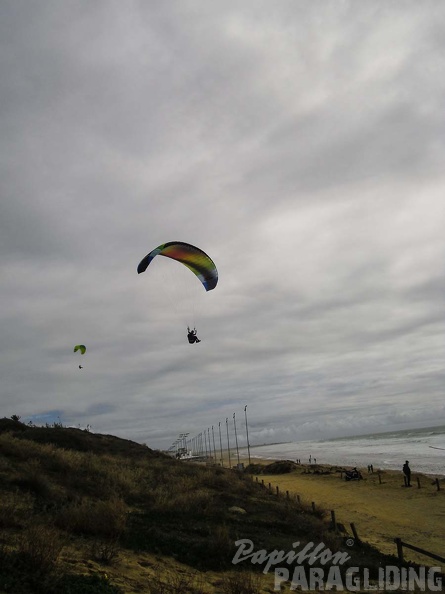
column 381, row 511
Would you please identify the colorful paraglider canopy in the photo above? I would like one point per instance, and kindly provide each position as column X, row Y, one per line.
column 195, row 259
column 80, row 347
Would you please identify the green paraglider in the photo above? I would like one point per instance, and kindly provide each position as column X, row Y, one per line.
column 82, row 348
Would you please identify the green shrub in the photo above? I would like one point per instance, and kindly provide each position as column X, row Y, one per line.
column 103, row 519
column 196, row 501
column 31, row 479
column 40, row 546
column 106, row 552
column 221, row 547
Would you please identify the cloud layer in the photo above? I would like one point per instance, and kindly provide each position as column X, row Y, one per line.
column 301, row 145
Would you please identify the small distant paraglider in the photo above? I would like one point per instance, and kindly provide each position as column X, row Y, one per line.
column 82, row 348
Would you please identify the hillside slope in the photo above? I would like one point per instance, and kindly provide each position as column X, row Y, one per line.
column 76, row 507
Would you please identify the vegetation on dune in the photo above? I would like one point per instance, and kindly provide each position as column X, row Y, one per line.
column 64, row 489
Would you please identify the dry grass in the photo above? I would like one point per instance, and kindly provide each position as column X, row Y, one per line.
column 105, row 519
column 111, row 502
column 72, row 471
column 40, row 546
column 241, row 582
column 15, row 509
column 177, row 582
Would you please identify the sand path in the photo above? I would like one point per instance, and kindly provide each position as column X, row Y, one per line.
column 380, row 512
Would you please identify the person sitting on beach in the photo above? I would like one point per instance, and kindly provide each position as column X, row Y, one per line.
column 407, row 472
column 353, row 475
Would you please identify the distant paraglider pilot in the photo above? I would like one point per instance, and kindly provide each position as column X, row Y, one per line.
column 80, row 367
column 191, row 335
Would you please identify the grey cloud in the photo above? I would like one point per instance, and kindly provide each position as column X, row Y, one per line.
column 302, row 149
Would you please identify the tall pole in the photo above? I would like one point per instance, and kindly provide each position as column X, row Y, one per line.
column 236, row 437
column 220, row 444
column 205, row 442
column 228, row 442
column 247, row 433
column 213, row 437
column 210, row 445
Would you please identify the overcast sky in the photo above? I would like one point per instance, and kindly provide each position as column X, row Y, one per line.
column 299, row 143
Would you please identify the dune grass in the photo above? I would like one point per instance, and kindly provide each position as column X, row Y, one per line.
column 76, row 518
column 58, row 493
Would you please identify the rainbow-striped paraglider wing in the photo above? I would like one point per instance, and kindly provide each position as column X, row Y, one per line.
column 189, row 255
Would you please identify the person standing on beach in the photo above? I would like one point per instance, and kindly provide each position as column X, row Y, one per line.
column 407, row 472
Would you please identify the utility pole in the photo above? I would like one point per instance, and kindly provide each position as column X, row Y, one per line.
column 247, row 433
column 205, row 443
column 214, row 448
column 236, row 438
column 228, row 443
column 220, row 444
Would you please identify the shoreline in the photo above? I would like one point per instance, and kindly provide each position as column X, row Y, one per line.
column 243, row 458
column 269, row 460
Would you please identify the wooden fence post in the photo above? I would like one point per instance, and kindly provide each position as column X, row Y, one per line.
column 278, row 491
column 298, row 499
column 380, row 477
column 334, row 522
column 398, row 542
column 313, row 507
column 418, row 482
column 437, row 484
column 401, row 544
column 287, row 494
column 354, row 531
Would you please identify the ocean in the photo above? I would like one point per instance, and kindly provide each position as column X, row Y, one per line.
column 424, row 448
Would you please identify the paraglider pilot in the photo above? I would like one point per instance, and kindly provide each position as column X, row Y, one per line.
column 191, row 335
